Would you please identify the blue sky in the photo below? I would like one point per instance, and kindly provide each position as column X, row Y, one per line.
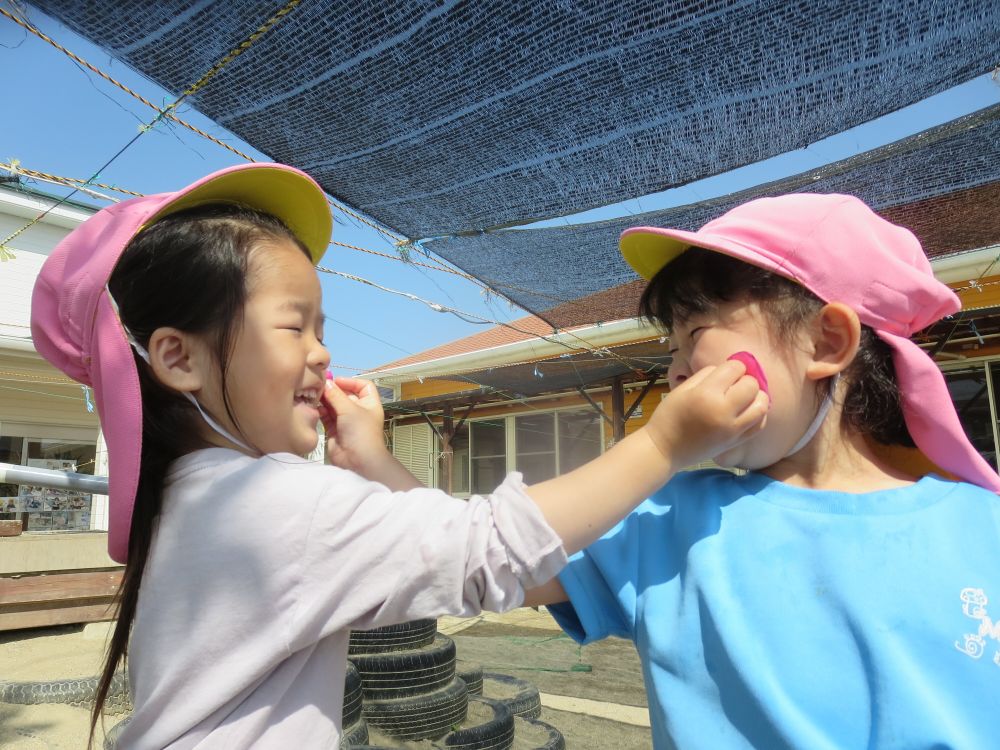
column 64, row 120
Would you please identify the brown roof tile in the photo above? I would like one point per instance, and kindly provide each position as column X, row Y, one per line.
column 530, row 327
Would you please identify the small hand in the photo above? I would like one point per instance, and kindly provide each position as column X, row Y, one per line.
column 709, row 413
column 352, row 416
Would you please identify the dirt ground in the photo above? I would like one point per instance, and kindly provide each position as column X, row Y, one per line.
column 608, row 672
column 48, row 654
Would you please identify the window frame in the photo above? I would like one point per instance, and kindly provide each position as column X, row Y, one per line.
column 985, row 363
column 511, row 440
column 26, row 440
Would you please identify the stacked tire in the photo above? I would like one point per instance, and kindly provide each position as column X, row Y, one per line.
column 408, row 682
column 355, row 728
column 402, row 681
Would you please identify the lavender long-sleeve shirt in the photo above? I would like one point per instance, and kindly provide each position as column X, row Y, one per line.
column 261, row 566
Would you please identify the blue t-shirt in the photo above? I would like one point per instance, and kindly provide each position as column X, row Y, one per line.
column 770, row 616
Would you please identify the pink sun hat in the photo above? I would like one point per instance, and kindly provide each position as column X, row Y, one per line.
column 842, row 251
column 73, row 320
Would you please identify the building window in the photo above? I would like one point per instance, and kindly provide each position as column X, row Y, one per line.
column 41, row 508
column 460, row 463
column 488, row 454
column 579, row 438
column 11, row 452
column 540, row 445
column 973, row 391
column 535, row 441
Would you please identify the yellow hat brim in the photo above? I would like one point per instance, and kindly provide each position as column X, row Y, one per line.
column 647, row 252
column 283, row 192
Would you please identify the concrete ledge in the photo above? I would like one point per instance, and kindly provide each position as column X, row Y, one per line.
column 39, row 553
column 615, row 711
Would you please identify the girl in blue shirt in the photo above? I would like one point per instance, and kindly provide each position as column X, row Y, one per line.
column 844, row 590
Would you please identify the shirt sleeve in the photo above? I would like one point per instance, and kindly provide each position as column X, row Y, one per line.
column 601, row 584
column 373, row 557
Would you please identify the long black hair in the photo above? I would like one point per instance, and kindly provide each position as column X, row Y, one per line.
column 697, row 280
column 187, row 271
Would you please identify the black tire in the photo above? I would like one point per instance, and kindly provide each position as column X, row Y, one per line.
column 111, row 738
column 497, row 733
column 402, row 637
column 398, row 674
column 420, row 717
column 555, row 739
column 352, row 697
column 525, row 702
column 354, row 736
column 77, row 692
column 472, row 676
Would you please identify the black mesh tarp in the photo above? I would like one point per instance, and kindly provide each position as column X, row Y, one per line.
column 445, row 117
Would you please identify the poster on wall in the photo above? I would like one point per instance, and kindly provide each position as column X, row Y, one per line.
column 11, row 505
column 51, row 509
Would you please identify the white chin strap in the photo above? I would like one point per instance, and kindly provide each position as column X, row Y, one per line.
column 141, row 350
column 824, row 409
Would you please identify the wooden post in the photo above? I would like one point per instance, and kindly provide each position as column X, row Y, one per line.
column 449, row 428
column 447, row 452
column 638, row 399
column 618, row 408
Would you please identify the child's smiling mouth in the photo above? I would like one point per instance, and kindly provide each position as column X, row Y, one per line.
column 308, row 396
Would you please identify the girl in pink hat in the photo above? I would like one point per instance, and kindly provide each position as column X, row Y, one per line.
column 196, row 317
column 826, row 595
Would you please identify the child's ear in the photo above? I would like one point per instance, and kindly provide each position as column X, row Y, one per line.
column 836, row 337
column 177, row 359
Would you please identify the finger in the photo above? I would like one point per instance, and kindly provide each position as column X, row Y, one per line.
column 752, row 419
column 753, row 367
column 329, row 427
column 358, row 386
column 727, row 374
column 335, row 397
column 742, row 393
column 328, row 417
column 369, row 393
column 696, row 378
column 324, row 402
column 720, row 376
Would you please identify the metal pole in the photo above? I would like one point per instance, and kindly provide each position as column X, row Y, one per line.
column 59, row 480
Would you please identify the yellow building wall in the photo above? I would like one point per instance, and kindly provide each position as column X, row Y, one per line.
column 416, row 389
column 985, row 293
column 649, row 402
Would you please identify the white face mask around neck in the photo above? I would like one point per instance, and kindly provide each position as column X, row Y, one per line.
column 141, row 351
column 824, row 409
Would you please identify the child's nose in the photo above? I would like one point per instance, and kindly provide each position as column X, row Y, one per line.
column 677, row 373
column 320, row 357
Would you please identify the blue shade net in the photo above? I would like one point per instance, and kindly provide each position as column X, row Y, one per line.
column 943, row 184
column 439, row 118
